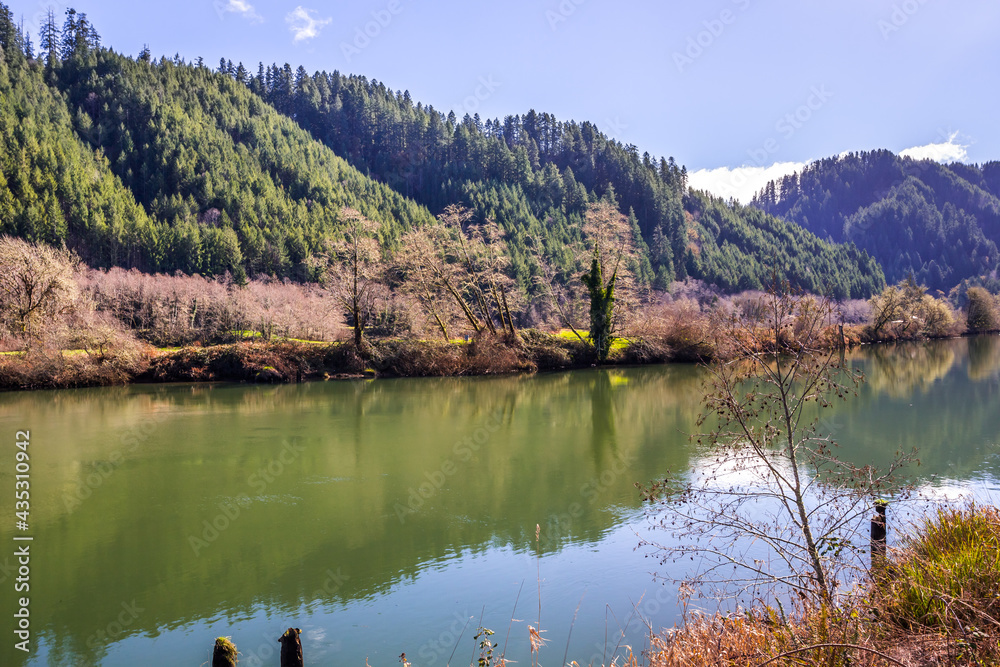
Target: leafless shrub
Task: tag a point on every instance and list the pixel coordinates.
(695, 290)
(679, 326)
(770, 477)
(489, 355)
(180, 309)
(404, 358)
(906, 311)
(752, 305)
(855, 311)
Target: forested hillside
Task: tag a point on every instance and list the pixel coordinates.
(164, 165)
(942, 223)
(534, 172)
(222, 181)
(54, 187)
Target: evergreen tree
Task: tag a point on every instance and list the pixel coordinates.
(49, 39)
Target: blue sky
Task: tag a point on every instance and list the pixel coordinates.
(736, 90)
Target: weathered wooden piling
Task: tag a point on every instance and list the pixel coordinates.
(224, 654)
(291, 648)
(878, 535)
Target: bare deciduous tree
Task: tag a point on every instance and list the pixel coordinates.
(467, 264)
(487, 263)
(426, 279)
(356, 272)
(772, 505)
(36, 284)
(560, 299)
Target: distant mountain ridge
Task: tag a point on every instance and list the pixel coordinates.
(939, 222)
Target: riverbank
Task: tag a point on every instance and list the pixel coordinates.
(286, 361)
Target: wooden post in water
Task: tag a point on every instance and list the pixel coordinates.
(878, 540)
(291, 648)
(224, 654)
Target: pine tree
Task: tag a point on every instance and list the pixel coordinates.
(29, 48)
(49, 39)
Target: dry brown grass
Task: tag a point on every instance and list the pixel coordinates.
(850, 638)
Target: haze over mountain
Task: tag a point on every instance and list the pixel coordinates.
(939, 222)
(742, 183)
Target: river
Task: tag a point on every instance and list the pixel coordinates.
(391, 516)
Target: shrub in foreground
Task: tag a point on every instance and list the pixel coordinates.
(946, 575)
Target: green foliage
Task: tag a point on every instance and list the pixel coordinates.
(486, 647)
(602, 305)
(535, 176)
(232, 181)
(54, 188)
(740, 248)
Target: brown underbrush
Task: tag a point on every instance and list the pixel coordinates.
(45, 367)
(257, 362)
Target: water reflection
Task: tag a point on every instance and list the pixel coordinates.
(377, 510)
(984, 357)
(900, 369)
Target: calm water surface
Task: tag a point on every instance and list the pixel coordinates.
(398, 515)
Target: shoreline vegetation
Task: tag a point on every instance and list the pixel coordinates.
(290, 361)
(932, 602)
(63, 324)
(283, 361)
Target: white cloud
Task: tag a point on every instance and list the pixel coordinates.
(303, 24)
(948, 151)
(742, 182)
(243, 8)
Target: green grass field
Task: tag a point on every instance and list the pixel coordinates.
(617, 344)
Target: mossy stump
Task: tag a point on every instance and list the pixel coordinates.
(291, 648)
(224, 654)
